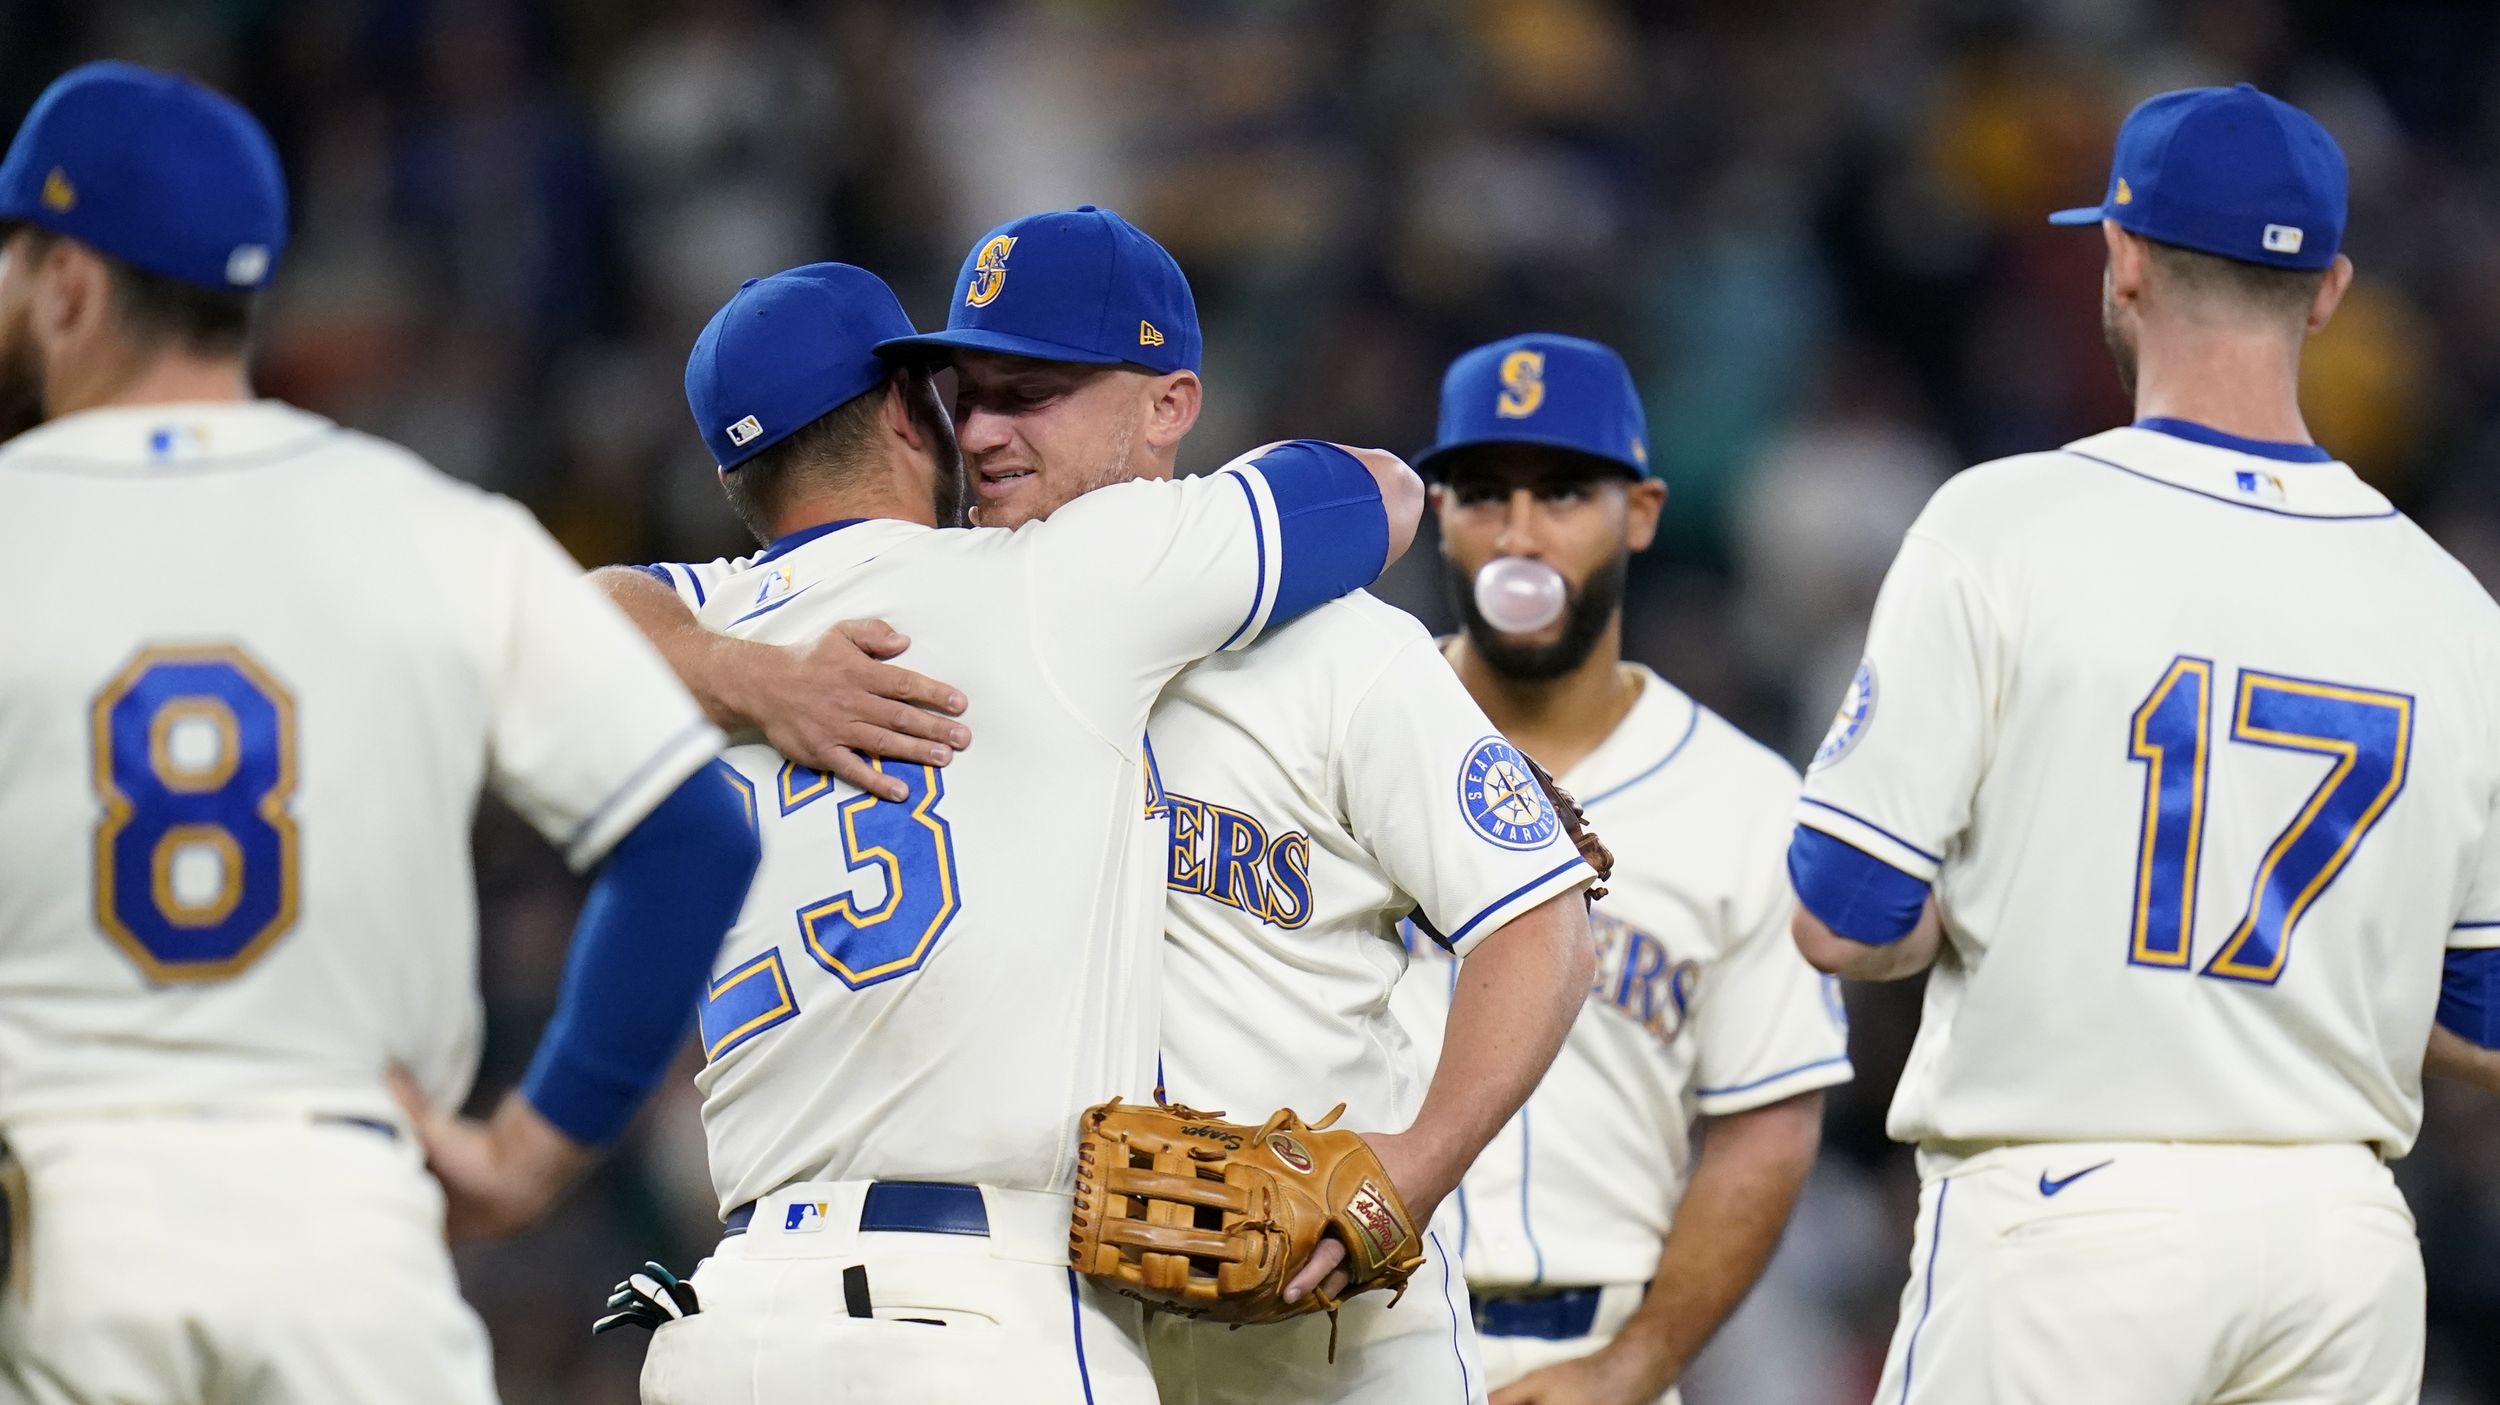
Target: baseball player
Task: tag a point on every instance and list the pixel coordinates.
(1601, 1252)
(923, 995)
(238, 761)
(2174, 752)
(1306, 793)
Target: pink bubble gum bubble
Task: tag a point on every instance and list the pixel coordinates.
(1520, 596)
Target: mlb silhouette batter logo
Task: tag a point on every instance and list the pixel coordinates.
(1502, 800)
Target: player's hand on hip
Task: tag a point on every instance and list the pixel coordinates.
(498, 1175)
(1423, 1182)
(1598, 1379)
(833, 702)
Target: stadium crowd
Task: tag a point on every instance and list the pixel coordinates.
(1813, 226)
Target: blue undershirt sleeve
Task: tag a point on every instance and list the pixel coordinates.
(1331, 527)
(641, 954)
(2469, 996)
(1856, 894)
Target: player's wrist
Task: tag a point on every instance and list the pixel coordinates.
(533, 1149)
(739, 678)
(1640, 1364)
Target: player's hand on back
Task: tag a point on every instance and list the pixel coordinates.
(1601, 1378)
(833, 701)
(498, 1175)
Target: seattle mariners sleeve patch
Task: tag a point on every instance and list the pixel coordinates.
(1501, 800)
(1857, 708)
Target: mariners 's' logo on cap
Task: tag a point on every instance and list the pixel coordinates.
(1502, 800)
(1523, 384)
(989, 271)
(59, 196)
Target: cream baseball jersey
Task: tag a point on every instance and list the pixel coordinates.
(240, 752)
(2197, 740)
(994, 942)
(1317, 788)
(1701, 1005)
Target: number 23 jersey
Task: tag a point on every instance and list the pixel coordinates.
(2198, 741)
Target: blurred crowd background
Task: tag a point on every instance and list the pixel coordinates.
(1813, 226)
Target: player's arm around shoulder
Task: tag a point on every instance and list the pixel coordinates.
(826, 702)
(1131, 583)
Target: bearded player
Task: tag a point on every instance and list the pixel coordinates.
(2174, 754)
(238, 766)
(1601, 1251)
(1313, 789)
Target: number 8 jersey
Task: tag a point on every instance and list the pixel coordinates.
(2198, 742)
(254, 671)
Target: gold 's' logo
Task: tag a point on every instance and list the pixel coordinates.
(1147, 335)
(989, 272)
(1523, 384)
(2124, 195)
(59, 196)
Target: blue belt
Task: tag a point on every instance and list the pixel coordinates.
(1561, 1315)
(893, 1207)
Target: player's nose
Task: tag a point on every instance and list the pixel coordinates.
(1520, 533)
(981, 431)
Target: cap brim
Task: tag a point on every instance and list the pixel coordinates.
(939, 344)
(2088, 214)
(1440, 455)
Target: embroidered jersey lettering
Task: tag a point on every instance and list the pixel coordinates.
(2200, 750)
(239, 757)
(1312, 785)
(995, 940)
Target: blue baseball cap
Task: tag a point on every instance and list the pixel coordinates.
(2228, 171)
(1545, 389)
(784, 350)
(1079, 285)
(152, 169)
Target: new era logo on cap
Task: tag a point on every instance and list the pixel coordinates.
(2207, 168)
(1147, 335)
(745, 432)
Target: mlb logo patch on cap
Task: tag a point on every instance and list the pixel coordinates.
(745, 432)
(2282, 239)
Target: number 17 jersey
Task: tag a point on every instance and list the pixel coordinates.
(2198, 741)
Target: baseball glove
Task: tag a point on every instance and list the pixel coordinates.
(1210, 1219)
(1575, 822)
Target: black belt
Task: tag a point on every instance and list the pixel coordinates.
(891, 1207)
(1560, 1315)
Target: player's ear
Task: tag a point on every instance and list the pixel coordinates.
(1644, 501)
(72, 295)
(2330, 295)
(2128, 261)
(896, 409)
(1172, 408)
